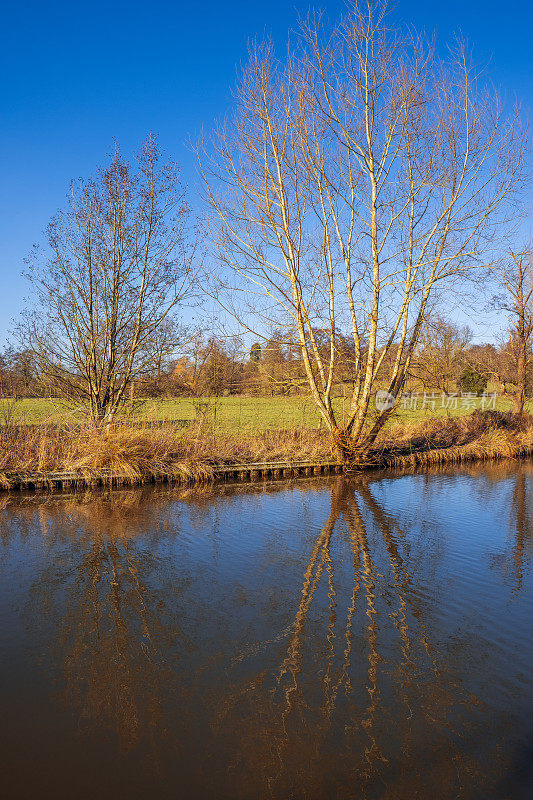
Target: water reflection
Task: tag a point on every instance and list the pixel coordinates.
(277, 642)
(113, 641)
(111, 638)
(366, 702)
(521, 511)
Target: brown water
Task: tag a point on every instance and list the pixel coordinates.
(322, 639)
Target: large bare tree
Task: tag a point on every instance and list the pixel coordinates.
(357, 179)
(106, 289)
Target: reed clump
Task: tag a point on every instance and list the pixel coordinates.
(479, 436)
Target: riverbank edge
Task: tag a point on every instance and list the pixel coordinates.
(205, 473)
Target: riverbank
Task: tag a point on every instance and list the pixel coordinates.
(53, 456)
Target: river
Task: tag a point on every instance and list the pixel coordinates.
(319, 639)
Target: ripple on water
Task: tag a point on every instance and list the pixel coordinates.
(284, 641)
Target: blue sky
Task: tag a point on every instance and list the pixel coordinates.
(75, 76)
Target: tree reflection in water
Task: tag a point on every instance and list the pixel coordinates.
(373, 707)
(357, 697)
(521, 524)
(114, 638)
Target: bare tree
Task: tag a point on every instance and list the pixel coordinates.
(357, 179)
(517, 303)
(106, 290)
(440, 353)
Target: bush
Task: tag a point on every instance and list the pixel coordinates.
(472, 381)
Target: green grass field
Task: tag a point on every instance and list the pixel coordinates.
(247, 414)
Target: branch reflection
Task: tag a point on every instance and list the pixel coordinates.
(353, 691)
(369, 702)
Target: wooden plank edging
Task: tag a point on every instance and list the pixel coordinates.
(217, 473)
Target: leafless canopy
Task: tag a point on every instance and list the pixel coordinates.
(516, 300)
(357, 178)
(107, 287)
(441, 353)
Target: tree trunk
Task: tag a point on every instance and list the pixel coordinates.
(520, 395)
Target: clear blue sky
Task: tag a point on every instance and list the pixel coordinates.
(77, 75)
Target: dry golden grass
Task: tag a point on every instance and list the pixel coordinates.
(477, 437)
(137, 454)
(129, 455)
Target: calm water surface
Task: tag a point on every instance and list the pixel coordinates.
(329, 639)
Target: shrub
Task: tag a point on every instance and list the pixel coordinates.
(472, 381)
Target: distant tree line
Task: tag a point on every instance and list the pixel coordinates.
(445, 361)
(18, 376)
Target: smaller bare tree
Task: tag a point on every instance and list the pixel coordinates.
(440, 353)
(106, 291)
(516, 300)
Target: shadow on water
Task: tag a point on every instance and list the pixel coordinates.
(321, 640)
